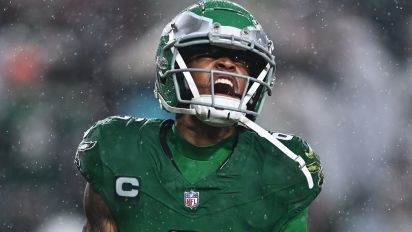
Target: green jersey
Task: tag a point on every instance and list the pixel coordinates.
(257, 188)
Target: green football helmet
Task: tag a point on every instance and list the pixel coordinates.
(215, 28)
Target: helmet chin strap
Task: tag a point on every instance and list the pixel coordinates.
(265, 134)
(214, 116)
(221, 117)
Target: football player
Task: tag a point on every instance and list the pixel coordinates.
(212, 168)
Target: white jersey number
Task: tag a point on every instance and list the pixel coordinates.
(282, 136)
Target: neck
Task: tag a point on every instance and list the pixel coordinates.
(199, 133)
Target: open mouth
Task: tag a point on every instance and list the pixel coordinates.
(225, 86)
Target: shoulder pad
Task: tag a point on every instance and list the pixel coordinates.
(301, 148)
(114, 121)
(88, 156)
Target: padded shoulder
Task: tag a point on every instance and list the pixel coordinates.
(90, 155)
(114, 122)
(286, 176)
(301, 148)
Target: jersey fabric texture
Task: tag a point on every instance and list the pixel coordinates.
(257, 188)
(197, 162)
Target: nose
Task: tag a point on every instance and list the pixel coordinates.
(225, 64)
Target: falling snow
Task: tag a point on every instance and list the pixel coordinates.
(344, 84)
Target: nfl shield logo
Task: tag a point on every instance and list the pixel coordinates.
(191, 199)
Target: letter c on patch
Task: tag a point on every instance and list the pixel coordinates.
(127, 186)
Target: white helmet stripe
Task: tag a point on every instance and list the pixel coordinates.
(255, 85)
(187, 75)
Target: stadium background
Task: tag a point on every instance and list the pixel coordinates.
(344, 84)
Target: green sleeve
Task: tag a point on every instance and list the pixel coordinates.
(297, 224)
(95, 154)
(88, 157)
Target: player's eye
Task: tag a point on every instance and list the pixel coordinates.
(200, 56)
(241, 62)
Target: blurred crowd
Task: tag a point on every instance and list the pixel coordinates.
(344, 80)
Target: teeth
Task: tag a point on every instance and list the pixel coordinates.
(224, 81)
